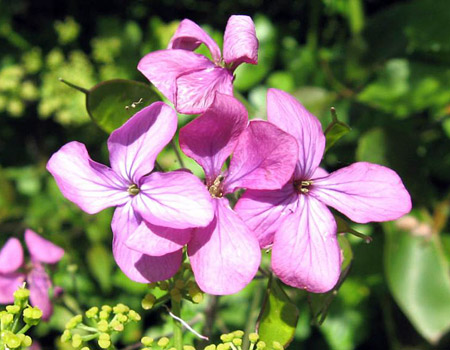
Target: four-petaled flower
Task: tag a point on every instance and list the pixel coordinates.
(152, 201)
(38, 282)
(190, 80)
(296, 220)
(225, 255)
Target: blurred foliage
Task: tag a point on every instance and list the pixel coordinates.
(383, 65)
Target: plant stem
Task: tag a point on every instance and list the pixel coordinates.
(253, 312)
(177, 333)
(177, 153)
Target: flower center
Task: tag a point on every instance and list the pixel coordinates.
(216, 188)
(301, 186)
(133, 189)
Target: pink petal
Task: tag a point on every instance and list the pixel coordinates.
(90, 185)
(41, 249)
(225, 256)
(288, 114)
(305, 251)
(163, 68)
(240, 43)
(364, 192)
(264, 158)
(264, 211)
(189, 36)
(39, 285)
(139, 267)
(9, 283)
(212, 137)
(11, 256)
(196, 89)
(157, 240)
(176, 199)
(319, 172)
(134, 146)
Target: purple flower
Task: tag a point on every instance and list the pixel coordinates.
(305, 251)
(225, 255)
(11, 278)
(149, 201)
(190, 80)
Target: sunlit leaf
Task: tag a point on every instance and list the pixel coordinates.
(335, 130)
(417, 275)
(279, 316)
(101, 264)
(372, 147)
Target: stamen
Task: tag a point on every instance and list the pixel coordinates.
(302, 186)
(216, 189)
(133, 189)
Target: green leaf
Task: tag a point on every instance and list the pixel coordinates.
(101, 265)
(111, 103)
(335, 130)
(107, 102)
(279, 316)
(417, 276)
(372, 147)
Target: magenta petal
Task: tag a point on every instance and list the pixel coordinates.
(364, 192)
(288, 114)
(39, 285)
(189, 36)
(211, 138)
(264, 158)
(305, 251)
(134, 146)
(176, 199)
(41, 249)
(90, 185)
(11, 256)
(9, 283)
(139, 267)
(240, 43)
(264, 211)
(196, 90)
(163, 68)
(319, 172)
(225, 256)
(157, 240)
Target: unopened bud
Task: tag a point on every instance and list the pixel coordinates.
(253, 337)
(188, 347)
(120, 309)
(148, 301)
(11, 340)
(175, 294)
(102, 326)
(76, 340)
(104, 340)
(179, 284)
(73, 322)
(163, 285)
(210, 347)
(147, 341)
(134, 316)
(32, 315)
(92, 312)
(66, 336)
(163, 342)
(227, 337)
(277, 346)
(237, 341)
(13, 309)
(261, 345)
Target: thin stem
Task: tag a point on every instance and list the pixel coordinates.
(24, 329)
(87, 328)
(177, 153)
(73, 86)
(177, 332)
(253, 313)
(158, 166)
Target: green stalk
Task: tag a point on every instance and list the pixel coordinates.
(177, 333)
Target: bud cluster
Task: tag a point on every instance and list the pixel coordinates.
(181, 286)
(99, 324)
(16, 320)
(229, 341)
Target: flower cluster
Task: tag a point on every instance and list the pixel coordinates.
(284, 206)
(16, 320)
(13, 272)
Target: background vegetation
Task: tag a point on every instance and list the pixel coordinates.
(384, 66)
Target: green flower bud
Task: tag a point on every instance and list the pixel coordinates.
(152, 285)
(11, 340)
(238, 334)
(226, 337)
(148, 301)
(117, 326)
(163, 342)
(188, 347)
(261, 345)
(104, 340)
(102, 326)
(277, 346)
(134, 316)
(237, 341)
(210, 347)
(120, 309)
(196, 294)
(186, 266)
(13, 309)
(221, 347)
(21, 295)
(66, 336)
(27, 341)
(106, 308)
(163, 285)
(85, 348)
(32, 315)
(73, 322)
(76, 340)
(122, 318)
(253, 337)
(179, 283)
(175, 294)
(104, 315)
(6, 319)
(92, 312)
(147, 341)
